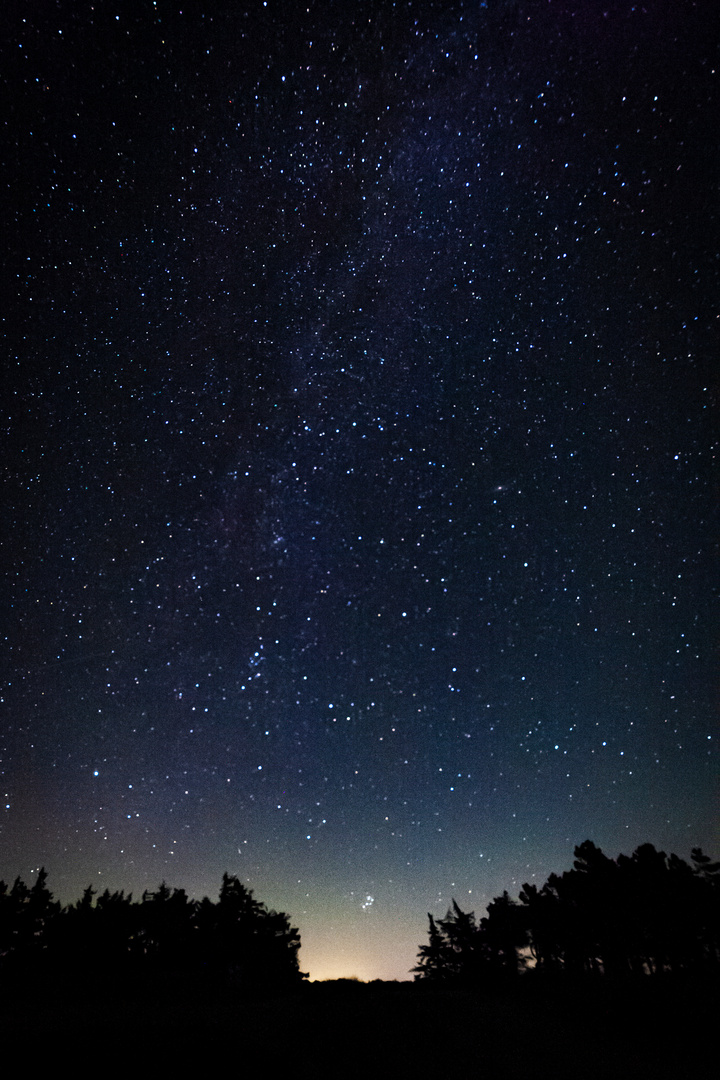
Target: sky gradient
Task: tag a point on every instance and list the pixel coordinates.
(359, 505)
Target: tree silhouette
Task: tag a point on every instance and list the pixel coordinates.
(434, 958)
(505, 933)
(455, 949)
(251, 945)
(27, 917)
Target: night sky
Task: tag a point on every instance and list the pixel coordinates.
(358, 508)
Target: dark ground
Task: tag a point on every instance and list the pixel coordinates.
(387, 1029)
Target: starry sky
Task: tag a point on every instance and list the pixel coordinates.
(358, 515)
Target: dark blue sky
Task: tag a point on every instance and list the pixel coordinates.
(359, 443)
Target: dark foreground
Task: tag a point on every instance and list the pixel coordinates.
(642, 1029)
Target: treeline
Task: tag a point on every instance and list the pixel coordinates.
(643, 914)
(236, 940)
